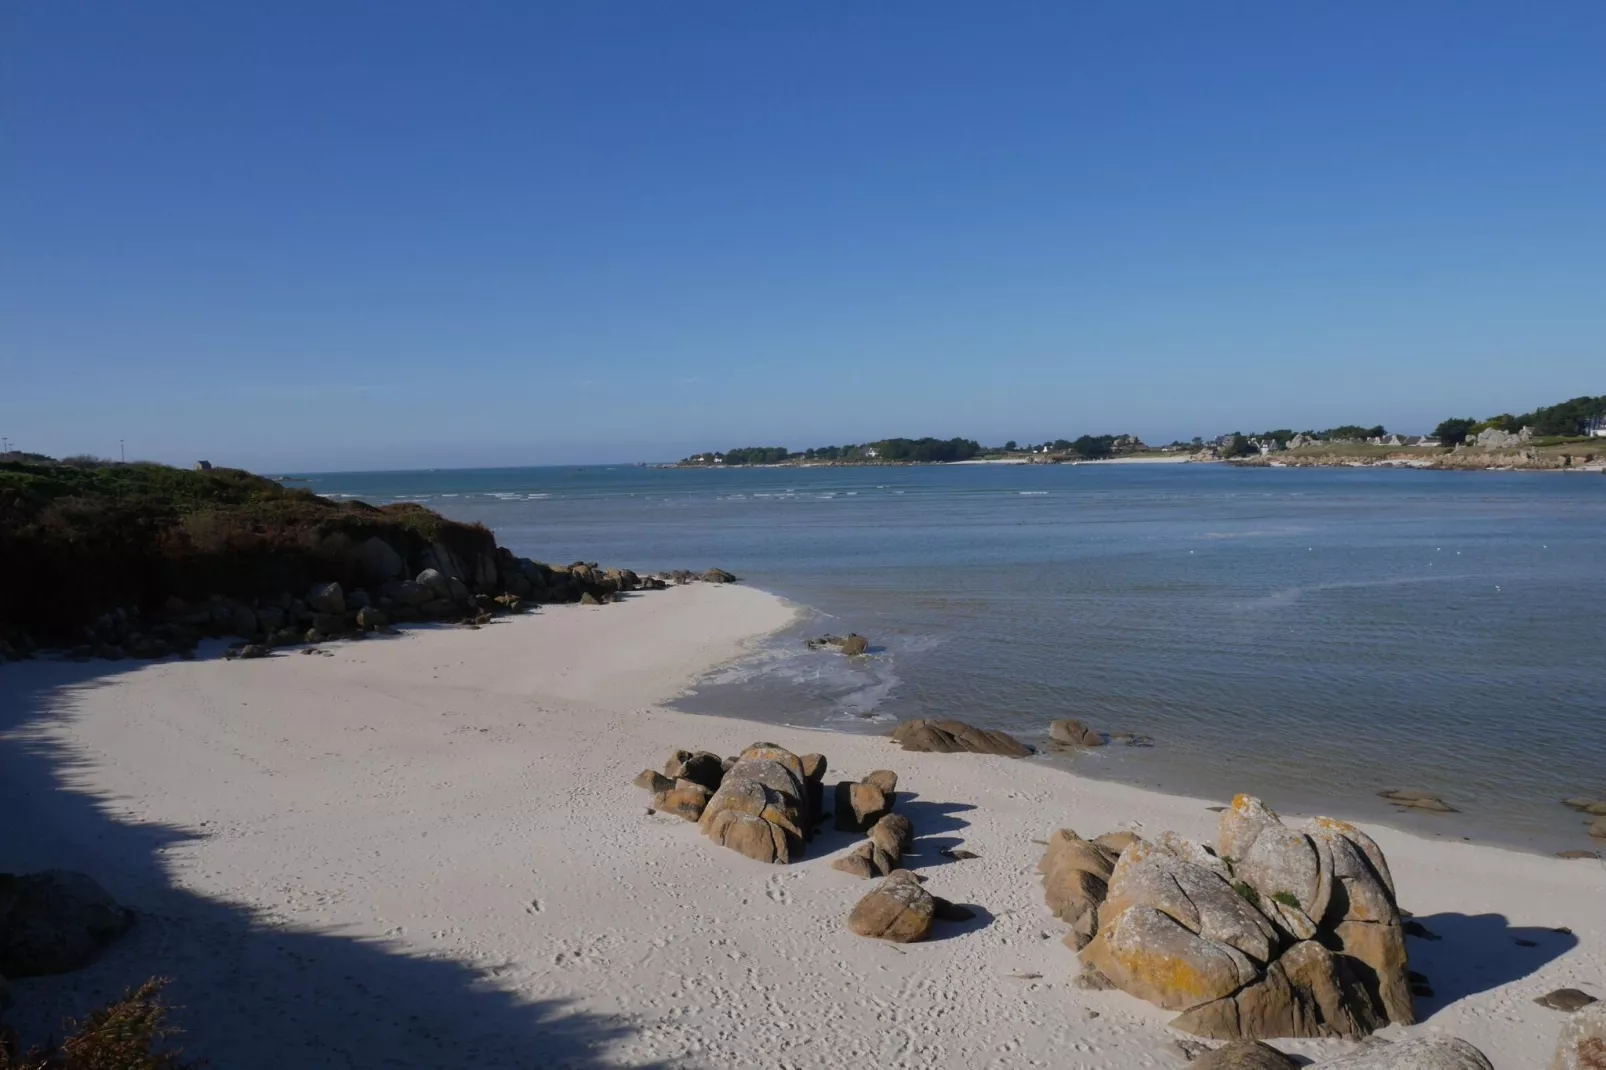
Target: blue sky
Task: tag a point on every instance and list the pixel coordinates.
(336, 235)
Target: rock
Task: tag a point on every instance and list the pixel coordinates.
(1076, 875)
(860, 862)
(1244, 1055)
(858, 806)
(1586, 805)
(255, 650)
(1149, 954)
(1576, 854)
(897, 909)
(370, 619)
(885, 779)
(1117, 841)
(855, 645)
(718, 575)
(1195, 897)
(1073, 733)
(1566, 999)
(1597, 828)
(1425, 1053)
(377, 562)
(814, 783)
(1283, 862)
(1240, 824)
(946, 911)
(653, 781)
(330, 623)
(952, 737)
(243, 622)
(684, 798)
(750, 835)
(270, 619)
(892, 833)
(589, 599)
(436, 583)
(700, 767)
(1419, 800)
(357, 599)
(1582, 1045)
(326, 598)
(1307, 992)
(407, 593)
(54, 922)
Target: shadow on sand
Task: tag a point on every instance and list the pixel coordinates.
(253, 995)
(1471, 953)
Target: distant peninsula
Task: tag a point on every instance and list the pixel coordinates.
(1571, 434)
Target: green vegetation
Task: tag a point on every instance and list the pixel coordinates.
(1453, 432)
(914, 450)
(1237, 446)
(79, 539)
(1569, 419)
(1248, 893)
(758, 455)
(1094, 447)
(1287, 899)
(130, 1034)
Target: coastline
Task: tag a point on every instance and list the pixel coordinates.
(427, 847)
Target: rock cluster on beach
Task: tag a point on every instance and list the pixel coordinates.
(1277, 932)
(762, 803)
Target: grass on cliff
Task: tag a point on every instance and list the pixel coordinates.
(80, 538)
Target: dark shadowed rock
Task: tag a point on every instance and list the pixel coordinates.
(701, 767)
(953, 737)
(858, 805)
(855, 645)
(326, 598)
(653, 781)
(718, 575)
(54, 922)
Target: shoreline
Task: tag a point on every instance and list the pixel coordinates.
(428, 848)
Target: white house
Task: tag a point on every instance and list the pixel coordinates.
(1596, 428)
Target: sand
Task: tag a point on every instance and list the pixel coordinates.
(425, 851)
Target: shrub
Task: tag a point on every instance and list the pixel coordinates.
(131, 1034)
(1287, 899)
(1248, 893)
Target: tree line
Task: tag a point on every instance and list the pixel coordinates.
(1565, 420)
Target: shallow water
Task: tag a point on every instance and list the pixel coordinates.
(1312, 635)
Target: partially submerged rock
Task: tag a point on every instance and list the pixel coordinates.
(1069, 732)
(1415, 799)
(1585, 804)
(897, 909)
(851, 645)
(55, 922)
(953, 737)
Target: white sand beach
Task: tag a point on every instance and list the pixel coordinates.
(426, 851)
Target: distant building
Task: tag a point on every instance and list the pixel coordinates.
(1596, 428)
(872, 453)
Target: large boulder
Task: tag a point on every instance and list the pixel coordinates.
(54, 922)
(1282, 932)
(683, 798)
(1422, 1053)
(437, 583)
(897, 909)
(378, 562)
(954, 737)
(1076, 874)
(766, 783)
(1582, 1045)
(1149, 954)
(326, 598)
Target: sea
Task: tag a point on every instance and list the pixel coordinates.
(1310, 635)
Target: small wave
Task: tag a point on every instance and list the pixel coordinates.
(1032, 493)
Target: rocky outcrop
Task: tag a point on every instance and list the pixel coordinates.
(897, 909)
(954, 737)
(859, 805)
(1582, 1045)
(882, 853)
(54, 922)
(760, 807)
(1278, 932)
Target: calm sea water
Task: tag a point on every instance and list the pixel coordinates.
(1311, 635)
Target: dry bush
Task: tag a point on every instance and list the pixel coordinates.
(130, 1034)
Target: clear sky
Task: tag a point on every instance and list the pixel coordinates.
(297, 235)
